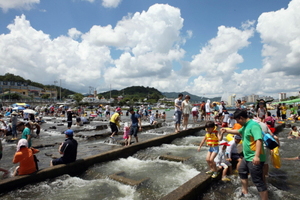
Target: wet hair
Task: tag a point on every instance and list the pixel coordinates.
(210, 124)
(180, 95)
(240, 113)
(269, 113)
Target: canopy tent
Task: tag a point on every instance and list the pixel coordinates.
(18, 108)
(21, 104)
(288, 101)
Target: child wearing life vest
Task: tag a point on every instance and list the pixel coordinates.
(212, 138)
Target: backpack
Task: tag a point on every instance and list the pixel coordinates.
(35, 161)
(269, 141)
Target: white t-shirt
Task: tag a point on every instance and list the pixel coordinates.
(178, 103)
(194, 108)
(226, 116)
(232, 148)
(207, 107)
(231, 122)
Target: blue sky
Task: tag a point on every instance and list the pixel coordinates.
(207, 47)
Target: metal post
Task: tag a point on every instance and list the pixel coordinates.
(59, 89)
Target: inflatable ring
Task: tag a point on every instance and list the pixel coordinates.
(230, 137)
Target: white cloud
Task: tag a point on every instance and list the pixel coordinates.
(17, 4)
(280, 34)
(111, 3)
(32, 54)
(146, 45)
(74, 33)
(148, 42)
(214, 66)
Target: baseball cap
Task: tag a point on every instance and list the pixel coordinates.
(223, 142)
(238, 137)
(69, 132)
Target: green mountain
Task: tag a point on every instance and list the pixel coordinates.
(194, 98)
(134, 93)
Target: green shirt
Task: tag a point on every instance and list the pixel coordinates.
(251, 132)
(293, 110)
(26, 132)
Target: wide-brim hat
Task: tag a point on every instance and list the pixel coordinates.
(14, 113)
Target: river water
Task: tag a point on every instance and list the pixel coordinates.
(164, 176)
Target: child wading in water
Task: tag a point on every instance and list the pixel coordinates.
(126, 134)
(212, 138)
(222, 161)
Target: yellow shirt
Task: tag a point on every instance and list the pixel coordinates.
(115, 118)
(283, 110)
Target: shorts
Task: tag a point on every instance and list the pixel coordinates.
(214, 149)
(195, 113)
(256, 172)
(283, 116)
(224, 165)
(235, 156)
(57, 161)
(178, 117)
(69, 124)
(134, 130)
(208, 113)
(113, 127)
(107, 113)
(278, 114)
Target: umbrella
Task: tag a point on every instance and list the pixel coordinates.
(18, 108)
(29, 111)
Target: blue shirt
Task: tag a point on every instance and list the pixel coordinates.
(134, 119)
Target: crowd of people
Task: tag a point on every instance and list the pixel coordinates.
(245, 125)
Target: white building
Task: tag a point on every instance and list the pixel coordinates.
(282, 96)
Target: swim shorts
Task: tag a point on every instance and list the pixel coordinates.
(134, 130)
(256, 172)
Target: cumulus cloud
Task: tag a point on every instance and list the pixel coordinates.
(142, 49)
(111, 3)
(17, 4)
(148, 42)
(32, 54)
(280, 35)
(214, 66)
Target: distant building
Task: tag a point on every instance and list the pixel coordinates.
(252, 98)
(26, 90)
(231, 100)
(282, 96)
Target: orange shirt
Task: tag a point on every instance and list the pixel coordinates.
(26, 160)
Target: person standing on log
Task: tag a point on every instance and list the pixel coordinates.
(135, 126)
